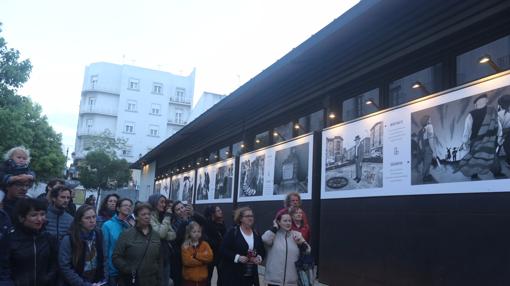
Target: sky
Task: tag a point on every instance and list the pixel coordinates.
(227, 41)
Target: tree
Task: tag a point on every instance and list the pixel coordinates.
(21, 120)
(102, 171)
(107, 143)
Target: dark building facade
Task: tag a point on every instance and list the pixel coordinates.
(377, 58)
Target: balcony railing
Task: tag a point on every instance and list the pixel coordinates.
(180, 100)
(89, 132)
(177, 122)
(98, 110)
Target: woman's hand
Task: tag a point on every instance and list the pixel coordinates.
(256, 260)
(243, 259)
(298, 238)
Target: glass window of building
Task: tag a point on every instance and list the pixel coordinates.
(213, 157)
(129, 127)
(357, 106)
(155, 108)
(238, 148)
(310, 123)
(93, 81)
(416, 85)
(224, 153)
(282, 133)
(153, 130)
(134, 84)
(157, 88)
(131, 105)
(261, 140)
(497, 58)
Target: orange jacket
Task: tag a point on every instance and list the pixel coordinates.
(195, 260)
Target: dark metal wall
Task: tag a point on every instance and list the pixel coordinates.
(460, 239)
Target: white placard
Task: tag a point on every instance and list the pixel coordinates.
(271, 173)
(443, 144)
(215, 183)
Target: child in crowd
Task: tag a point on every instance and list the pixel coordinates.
(196, 255)
(15, 167)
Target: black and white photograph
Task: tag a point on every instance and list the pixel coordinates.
(187, 188)
(251, 181)
(291, 170)
(174, 188)
(203, 182)
(224, 182)
(354, 158)
(463, 140)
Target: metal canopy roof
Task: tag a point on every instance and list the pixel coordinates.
(366, 42)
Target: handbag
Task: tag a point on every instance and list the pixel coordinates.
(304, 267)
(134, 280)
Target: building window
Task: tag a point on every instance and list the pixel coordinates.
(90, 123)
(157, 88)
(91, 101)
(469, 67)
(153, 130)
(238, 148)
(93, 81)
(261, 140)
(178, 116)
(131, 105)
(134, 84)
(357, 106)
(155, 109)
(129, 127)
(179, 94)
(416, 85)
(310, 123)
(127, 151)
(282, 133)
(225, 153)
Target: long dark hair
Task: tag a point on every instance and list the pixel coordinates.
(74, 233)
(103, 209)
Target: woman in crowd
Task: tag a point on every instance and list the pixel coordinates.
(91, 201)
(214, 230)
(107, 209)
(196, 255)
(299, 223)
(182, 215)
(111, 232)
(32, 251)
(137, 253)
(81, 257)
(161, 223)
(242, 251)
(283, 249)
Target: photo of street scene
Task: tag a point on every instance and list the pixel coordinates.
(462, 140)
(354, 158)
(251, 181)
(291, 170)
(224, 182)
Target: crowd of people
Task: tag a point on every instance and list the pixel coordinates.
(44, 241)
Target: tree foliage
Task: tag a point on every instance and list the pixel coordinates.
(107, 143)
(21, 120)
(100, 170)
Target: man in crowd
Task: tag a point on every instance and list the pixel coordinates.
(13, 192)
(58, 219)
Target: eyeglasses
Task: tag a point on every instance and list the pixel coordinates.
(247, 215)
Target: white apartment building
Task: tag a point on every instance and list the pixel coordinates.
(141, 105)
(206, 101)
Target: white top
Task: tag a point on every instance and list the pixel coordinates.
(249, 240)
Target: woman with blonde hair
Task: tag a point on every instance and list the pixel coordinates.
(242, 251)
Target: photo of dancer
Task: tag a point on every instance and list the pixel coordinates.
(203, 184)
(251, 181)
(462, 140)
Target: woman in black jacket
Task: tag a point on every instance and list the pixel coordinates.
(32, 251)
(214, 231)
(242, 251)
